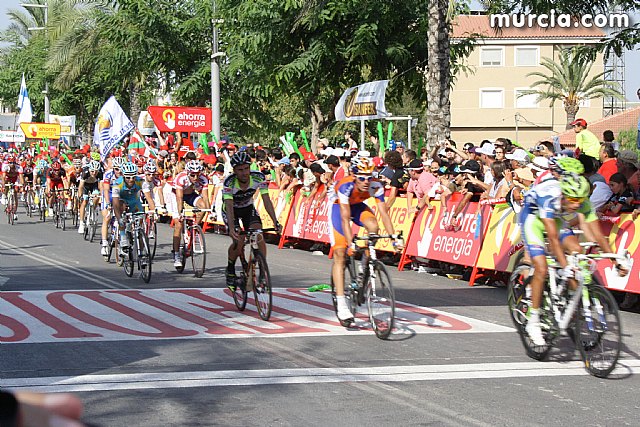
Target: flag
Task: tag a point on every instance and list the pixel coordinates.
(112, 125)
(24, 104)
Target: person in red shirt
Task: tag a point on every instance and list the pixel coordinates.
(608, 159)
(183, 144)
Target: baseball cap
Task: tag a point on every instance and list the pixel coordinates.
(231, 147)
(471, 166)
(539, 164)
(284, 161)
(489, 149)
(468, 145)
(579, 122)
(519, 155)
(629, 156)
(525, 173)
(415, 165)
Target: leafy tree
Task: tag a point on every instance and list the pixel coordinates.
(568, 81)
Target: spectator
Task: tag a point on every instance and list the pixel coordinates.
(408, 156)
(465, 149)
(294, 158)
(399, 147)
(628, 166)
(500, 154)
(398, 178)
(500, 186)
(609, 138)
(600, 195)
(471, 185)
(349, 141)
(420, 184)
(487, 157)
(318, 187)
(608, 158)
(586, 141)
(519, 158)
(334, 165)
(621, 200)
(590, 169)
(544, 149)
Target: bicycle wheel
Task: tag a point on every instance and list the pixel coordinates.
(598, 331)
(93, 222)
(240, 294)
(350, 290)
(9, 208)
(111, 241)
(381, 301)
(519, 304)
(28, 203)
(127, 258)
(262, 292)
(62, 213)
(144, 257)
(152, 233)
(198, 251)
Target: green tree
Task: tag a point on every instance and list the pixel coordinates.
(568, 80)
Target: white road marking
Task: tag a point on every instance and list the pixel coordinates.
(95, 278)
(164, 380)
(125, 315)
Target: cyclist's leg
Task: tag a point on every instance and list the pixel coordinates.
(234, 249)
(255, 223)
(533, 238)
(339, 245)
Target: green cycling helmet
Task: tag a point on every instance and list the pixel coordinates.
(574, 185)
(569, 165)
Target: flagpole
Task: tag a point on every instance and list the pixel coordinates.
(44, 6)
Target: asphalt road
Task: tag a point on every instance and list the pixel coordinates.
(175, 352)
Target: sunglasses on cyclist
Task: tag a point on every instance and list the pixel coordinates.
(116, 169)
(129, 177)
(364, 178)
(575, 199)
(193, 175)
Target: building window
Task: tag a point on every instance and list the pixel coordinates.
(492, 98)
(527, 56)
(586, 103)
(491, 57)
(525, 101)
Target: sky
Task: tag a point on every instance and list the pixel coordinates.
(632, 58)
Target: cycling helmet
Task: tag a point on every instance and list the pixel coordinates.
(566, 165)
(77, 163)
(11, 158)
(42, 164)
(574, 185)
(241, 158)
(194, 166)
(129, 169)
(362, 165)
(150, 167)
(95, 156)
(140, 161)
(118, 162)
(56, 165)
(94, 166)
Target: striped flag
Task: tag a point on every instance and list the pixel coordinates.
(24, 103)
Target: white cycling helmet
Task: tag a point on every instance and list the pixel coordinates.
(193, 166)
(94, 165)
(129, 169)
(118, 162)
(150, 167)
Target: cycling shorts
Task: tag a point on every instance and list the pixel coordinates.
(359, 212)
(53, 185)
(88, 189)
(533, 231)
(248, 215)
(133, 205)
(191, 199)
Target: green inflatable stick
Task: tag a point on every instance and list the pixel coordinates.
(381, 136)
(389, 132)
(203, 143)
(303, 134)
(66, 159)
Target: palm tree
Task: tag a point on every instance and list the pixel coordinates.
(568, 80)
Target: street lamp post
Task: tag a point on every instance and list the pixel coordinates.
(44, 6)
(215, 78)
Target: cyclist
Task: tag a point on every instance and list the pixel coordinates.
(352, 191)
(11, 174)
(237, 195)
(56, 180)
(126, 197)
(113, 171)
(191, 187)
(550, 207)
(88, 187)
(150, 170)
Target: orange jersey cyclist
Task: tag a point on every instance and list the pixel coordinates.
(350, 195)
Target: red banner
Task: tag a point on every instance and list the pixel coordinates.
(181, 119)
(309, 219)
(432, 239)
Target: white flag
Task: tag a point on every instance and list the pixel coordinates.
(364, 102)
(112, 125)
(24, 104)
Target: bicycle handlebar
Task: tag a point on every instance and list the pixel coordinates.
(374, 236)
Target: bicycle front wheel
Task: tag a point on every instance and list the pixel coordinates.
(598, 331)
(198, 251)
(29, 203)
(152, 233)
(262, 292)
(10, 209)
(62, 214)
(93, 222)
(127, 258)
(144, 257)
(381, 301)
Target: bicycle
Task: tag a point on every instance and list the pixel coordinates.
(192, 243)
(589, 314)
(91, 216)
(12, 205)
(254, 276)
(43, 207)
(59, 209)
(113, 236)
(369, 282)
(29, 204)
(138, 250)
(75, 204)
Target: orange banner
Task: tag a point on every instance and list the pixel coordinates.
(41, 130)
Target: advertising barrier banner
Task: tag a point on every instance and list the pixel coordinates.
(624, 235)
(280, 205)
(501, 242)
(309, 219)
(181, 119)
